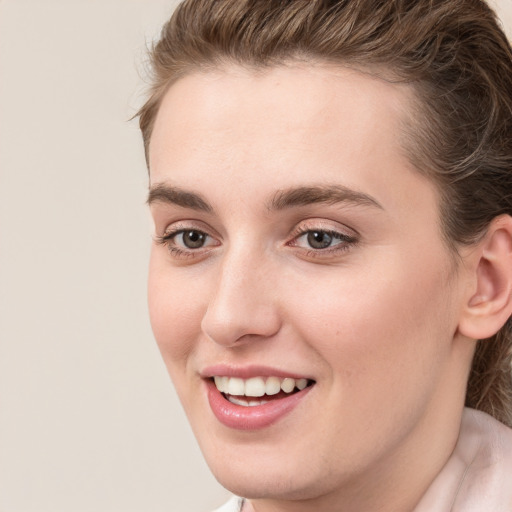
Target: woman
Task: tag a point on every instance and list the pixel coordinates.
(330, 284)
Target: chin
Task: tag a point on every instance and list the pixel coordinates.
(253, 484)
(267, 473)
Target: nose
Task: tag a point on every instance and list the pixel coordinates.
(243, 303)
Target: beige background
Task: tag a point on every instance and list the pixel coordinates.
(88, 418)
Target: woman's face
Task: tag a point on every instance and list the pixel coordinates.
(296, 246)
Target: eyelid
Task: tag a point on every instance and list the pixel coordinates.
(346, 237)
(323, 225)
(188, 224)
(171, 236)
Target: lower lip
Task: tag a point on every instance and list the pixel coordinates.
(255, 417)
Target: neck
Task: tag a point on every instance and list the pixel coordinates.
(395, 484)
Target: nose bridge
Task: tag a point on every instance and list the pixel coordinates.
(242, 304)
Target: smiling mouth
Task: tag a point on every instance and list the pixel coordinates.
(258, 391)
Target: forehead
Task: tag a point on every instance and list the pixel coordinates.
(291, 102)
(280, 125)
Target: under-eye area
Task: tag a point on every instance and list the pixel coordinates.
(259, 390)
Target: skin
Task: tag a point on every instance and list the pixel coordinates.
(374, 321)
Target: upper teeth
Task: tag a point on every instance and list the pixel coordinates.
(258, 386)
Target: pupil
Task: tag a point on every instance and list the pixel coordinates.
(319, 239)
(193, 239)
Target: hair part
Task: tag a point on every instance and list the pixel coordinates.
(459, 132)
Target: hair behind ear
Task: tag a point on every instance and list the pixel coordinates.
(490, 381)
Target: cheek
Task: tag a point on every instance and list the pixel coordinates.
(381, 330)
(175, 310)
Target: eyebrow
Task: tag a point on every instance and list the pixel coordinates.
(283, 199)
(163, 193)
(323, 194)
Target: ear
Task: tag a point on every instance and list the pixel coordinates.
(488, 305)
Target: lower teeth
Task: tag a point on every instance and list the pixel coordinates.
(246, 403)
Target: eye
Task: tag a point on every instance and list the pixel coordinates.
(186, 242)
(191, 239)
(319, 239)
(314, 242)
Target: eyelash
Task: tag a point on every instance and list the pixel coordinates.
(346, 242)
(167, 240)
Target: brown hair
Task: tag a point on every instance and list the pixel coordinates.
(460, 134)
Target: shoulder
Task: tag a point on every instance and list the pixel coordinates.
(488, 458)
(233, 505)
(485, 443)
(478, 475)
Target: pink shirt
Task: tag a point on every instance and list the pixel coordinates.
(478, 475)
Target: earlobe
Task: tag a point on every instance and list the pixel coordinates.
(489, 304)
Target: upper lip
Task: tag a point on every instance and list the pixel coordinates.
(248, 371)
